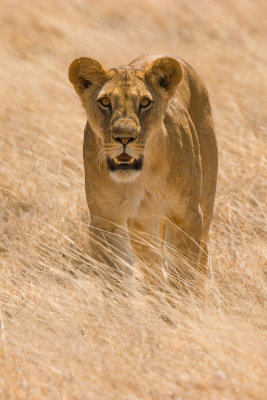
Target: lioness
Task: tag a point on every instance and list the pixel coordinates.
(150, 156)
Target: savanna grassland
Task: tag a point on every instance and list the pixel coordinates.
(60, 338)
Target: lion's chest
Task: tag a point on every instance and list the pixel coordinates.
(159, 197)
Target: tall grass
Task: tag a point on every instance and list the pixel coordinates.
(65, 331)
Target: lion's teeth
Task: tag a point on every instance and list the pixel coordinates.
(117, 161)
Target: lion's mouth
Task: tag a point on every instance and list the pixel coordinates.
(124, 161)
(123, 158)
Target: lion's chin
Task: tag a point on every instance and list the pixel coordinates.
(124, 176)
(124, 168)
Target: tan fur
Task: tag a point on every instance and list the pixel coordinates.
(171, 196)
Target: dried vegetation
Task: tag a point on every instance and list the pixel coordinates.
(60, 338)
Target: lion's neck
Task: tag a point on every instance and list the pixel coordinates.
(156, 155)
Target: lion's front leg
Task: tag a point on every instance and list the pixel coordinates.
(148, 246)
(110, 245)
(183, 238)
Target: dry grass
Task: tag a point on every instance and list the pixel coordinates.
(60, 338)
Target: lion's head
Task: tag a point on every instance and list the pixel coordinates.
(125, 107)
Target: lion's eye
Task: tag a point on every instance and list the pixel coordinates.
(145, 102)
(104, 102)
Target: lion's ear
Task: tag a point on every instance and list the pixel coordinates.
(84, 72)
(164, 75)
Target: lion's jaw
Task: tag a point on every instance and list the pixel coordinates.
(124, 162)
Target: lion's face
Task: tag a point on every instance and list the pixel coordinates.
(125, 108)
(124, 113)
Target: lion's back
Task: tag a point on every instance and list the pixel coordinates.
(194, 96)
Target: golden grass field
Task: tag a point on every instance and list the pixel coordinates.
(59, 337)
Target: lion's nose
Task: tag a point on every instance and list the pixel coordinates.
(123, 140)
(124, 131)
